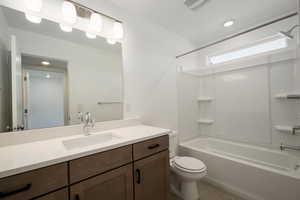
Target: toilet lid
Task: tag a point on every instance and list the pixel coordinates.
(189, 164)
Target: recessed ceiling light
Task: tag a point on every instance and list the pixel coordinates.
(48, 76)
(45, 63)
(228, 23)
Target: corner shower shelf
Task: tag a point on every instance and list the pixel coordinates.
(205, 121)
(205, 99)
(288, 96)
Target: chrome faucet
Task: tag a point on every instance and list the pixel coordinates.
(284, 147)
(87, 121)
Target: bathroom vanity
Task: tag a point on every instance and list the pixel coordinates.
(137, 170)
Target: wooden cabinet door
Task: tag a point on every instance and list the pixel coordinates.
(151, 177)
(34, 183)
(114, 185)
(59, 195)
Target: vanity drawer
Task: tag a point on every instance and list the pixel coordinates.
(59, 195)
(149, 147)
(34, 183)
(86, 167)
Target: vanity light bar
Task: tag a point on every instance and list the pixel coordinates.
(92, 10)
(253, 50)
(70, 11)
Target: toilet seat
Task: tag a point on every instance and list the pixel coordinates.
(189, 164)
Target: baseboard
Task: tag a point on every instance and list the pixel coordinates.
(231, 189)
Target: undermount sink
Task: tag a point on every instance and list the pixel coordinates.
(89, 140)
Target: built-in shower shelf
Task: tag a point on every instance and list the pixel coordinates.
(205, 99)
(286, 129)
(205, 121)
(288, 96)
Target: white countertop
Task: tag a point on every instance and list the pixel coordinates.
(15, 159)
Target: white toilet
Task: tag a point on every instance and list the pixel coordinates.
(186, 171)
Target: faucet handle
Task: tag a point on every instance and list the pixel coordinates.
(80, 116)
(87, 117)
(93, 123)
(295, 129)
(281, 146)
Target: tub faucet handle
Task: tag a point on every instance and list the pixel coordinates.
(295, 129)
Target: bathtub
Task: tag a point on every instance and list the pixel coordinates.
(254, 173)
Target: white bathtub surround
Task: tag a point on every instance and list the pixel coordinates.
(244, 106)
(47, 150)
(252, 172)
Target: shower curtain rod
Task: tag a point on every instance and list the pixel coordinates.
(237, 34)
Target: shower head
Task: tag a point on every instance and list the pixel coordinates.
(288, 34)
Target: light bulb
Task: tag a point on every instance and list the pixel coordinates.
(33, 18)
(65, 28)
(46, 63)
(33, 8)
(118, 30)
(90, 35)
(111, 41)
(69, 12)
(96, 22)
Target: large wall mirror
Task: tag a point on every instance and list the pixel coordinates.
(48, 76)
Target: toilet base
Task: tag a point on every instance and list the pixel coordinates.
(189, 190)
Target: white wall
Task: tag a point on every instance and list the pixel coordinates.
(5, 116)
(94, 74)
(244, 107)
(149, 67)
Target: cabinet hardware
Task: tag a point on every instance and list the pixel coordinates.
(138, 173)
(9, 193)
(153, 146)
(77, 197)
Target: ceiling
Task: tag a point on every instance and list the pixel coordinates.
(206, 23)
(30, 60)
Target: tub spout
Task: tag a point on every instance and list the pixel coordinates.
(284, 147)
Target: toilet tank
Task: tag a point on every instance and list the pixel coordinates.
(173, 143)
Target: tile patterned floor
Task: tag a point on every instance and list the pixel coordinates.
(210, 192)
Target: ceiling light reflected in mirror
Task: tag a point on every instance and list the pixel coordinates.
(46, 63)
